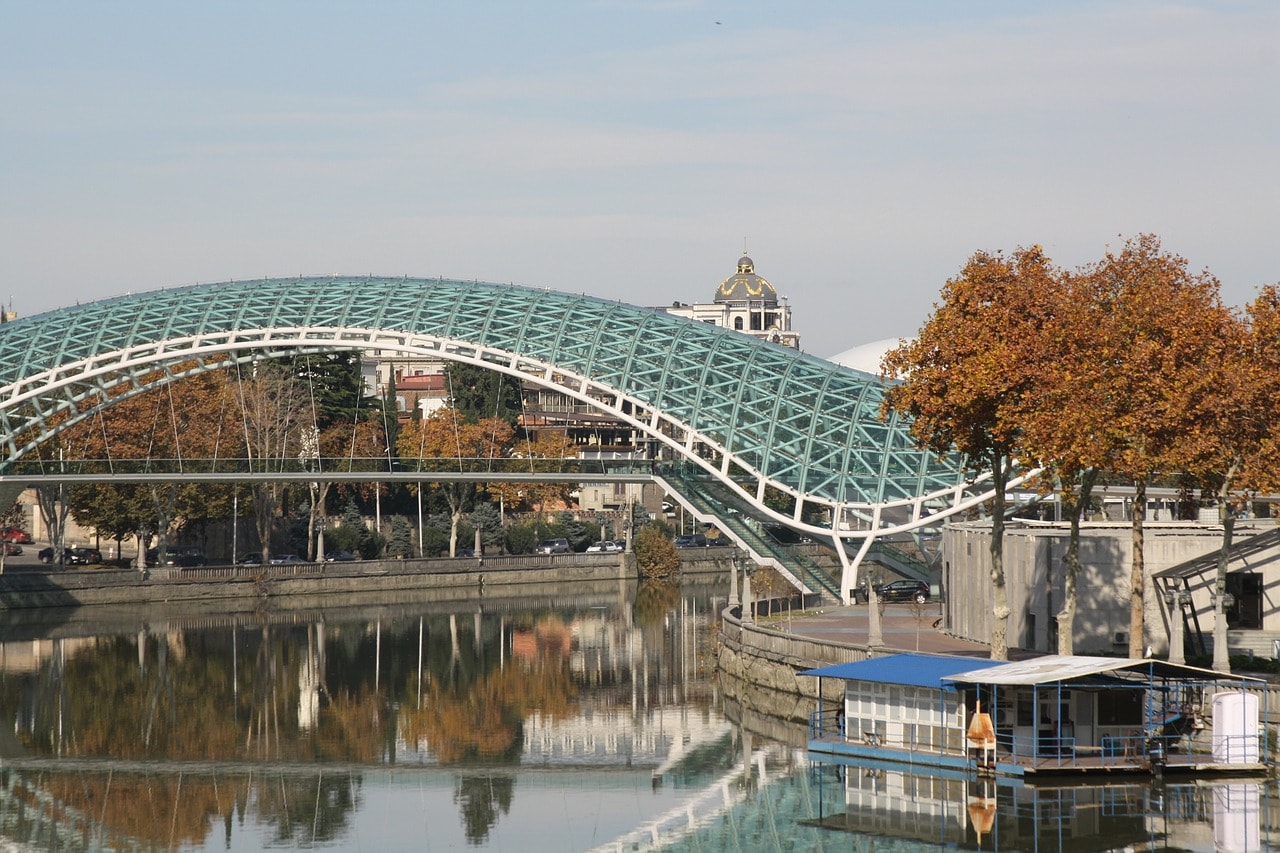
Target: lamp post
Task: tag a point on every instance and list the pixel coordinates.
(875, 631)
(733, 581)
(1176, 601)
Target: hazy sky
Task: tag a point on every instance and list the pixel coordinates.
(627, 148)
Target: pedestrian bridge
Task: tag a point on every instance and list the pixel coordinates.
(790, 438)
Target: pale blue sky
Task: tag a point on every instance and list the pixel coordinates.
(626, 148)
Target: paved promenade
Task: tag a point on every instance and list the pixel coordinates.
(901, 629)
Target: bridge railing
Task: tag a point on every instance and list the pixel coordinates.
(321, 466)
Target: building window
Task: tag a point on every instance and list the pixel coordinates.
(737, 324)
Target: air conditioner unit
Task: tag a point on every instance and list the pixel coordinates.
(1121, 638)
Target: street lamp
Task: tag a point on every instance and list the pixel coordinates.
(1178, 599)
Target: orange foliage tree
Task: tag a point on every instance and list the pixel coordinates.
(186, 423)
(1163, 333)
(960, 380)
(1231, 445)
(443, 441)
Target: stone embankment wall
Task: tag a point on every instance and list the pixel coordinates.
(758, 666)
(98, 586)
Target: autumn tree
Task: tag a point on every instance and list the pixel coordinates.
(1161, 327)
(656, 554)
(444, 441)
(547, 452)
(1232, 442)
(181, 425)
(272, 405)
(960, 383)
(1067, 427)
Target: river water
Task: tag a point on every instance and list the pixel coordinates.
(558, 719)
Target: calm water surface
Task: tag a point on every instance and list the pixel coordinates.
(566, 720)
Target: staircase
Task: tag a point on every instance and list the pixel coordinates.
(711, 501)
(895, 559)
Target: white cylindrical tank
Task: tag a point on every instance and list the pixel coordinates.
(1235, 728)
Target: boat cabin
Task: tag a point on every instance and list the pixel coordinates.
(1046, 714)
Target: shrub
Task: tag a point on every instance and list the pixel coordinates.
(656, 554)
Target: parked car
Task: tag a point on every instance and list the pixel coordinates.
(691, 540)
(555, 546)
(340, 557)
(71, 556)
(250, 559)
(185, 556)
(606, 545)
(904, 590)
(12, 549)
(15, 534)
(280, 559)
(464, 552)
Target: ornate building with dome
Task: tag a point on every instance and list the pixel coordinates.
(747, 303)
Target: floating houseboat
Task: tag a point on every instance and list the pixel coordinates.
(889, 806)
(1051, 714)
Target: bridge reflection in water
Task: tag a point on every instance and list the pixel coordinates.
(538, 721)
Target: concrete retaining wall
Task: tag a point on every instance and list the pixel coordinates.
(758, 668)
(88, 586)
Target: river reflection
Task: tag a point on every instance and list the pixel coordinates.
(580, 720)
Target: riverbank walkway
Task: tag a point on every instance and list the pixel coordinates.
(903, 628)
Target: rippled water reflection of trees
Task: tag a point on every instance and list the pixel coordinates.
(275, 725)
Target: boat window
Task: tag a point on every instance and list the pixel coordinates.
(1120, 708)
(1026, 710)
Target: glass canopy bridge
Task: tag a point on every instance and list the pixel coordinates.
(796, 439)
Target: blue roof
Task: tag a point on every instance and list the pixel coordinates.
(912, 670)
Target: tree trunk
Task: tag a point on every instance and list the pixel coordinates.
(1138, 573)
(264, 511)
(53, 512)
(163, 503)
(1071, 565)
(1221, 655)
(319, 494)
(999, 593)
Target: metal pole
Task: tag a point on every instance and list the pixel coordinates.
(235, 520)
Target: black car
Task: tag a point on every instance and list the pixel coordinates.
(183, 556)
(691, 540)
(340, 557)
(904, 590)
(71, 556)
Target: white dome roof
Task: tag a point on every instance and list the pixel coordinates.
(866, 357)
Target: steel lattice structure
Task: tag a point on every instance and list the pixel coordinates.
(750, 414)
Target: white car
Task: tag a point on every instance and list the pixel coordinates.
(605, 545)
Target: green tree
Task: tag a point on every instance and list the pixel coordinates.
(485, 518)
(400, 540)
(480, 393)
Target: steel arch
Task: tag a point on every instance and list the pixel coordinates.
(748, 413)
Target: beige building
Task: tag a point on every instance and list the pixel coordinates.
(747, 303)
(1180, 558)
